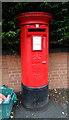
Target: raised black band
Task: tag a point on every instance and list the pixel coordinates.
(34, 98)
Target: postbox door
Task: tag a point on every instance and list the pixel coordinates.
(39, 61)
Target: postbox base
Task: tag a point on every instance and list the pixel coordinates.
(34, 98)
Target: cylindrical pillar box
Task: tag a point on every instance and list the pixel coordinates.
(34, 39)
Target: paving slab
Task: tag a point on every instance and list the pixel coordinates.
(52, 110)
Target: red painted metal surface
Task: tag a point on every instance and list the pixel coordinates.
(34, 61)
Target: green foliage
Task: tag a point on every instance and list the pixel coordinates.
(59, 36)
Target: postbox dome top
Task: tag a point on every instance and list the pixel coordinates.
(34, 17)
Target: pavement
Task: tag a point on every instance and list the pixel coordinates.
(52, 110)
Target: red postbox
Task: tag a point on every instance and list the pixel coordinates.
(34, 40)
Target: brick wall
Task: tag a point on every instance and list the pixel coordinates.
(10, 74)
(58, 64)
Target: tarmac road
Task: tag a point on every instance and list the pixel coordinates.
(52, 110)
